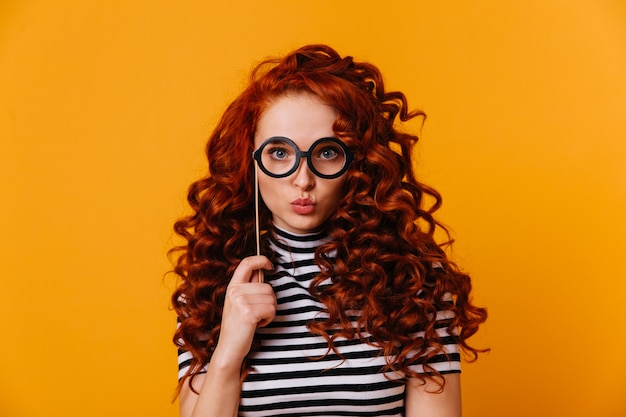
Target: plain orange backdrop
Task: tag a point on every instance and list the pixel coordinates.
(104, 110)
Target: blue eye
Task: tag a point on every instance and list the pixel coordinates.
(328, 153)
(279, 153)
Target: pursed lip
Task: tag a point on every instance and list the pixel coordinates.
(303, 202)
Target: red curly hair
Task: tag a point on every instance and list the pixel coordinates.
(383, 232)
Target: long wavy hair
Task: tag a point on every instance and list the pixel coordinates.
(388, 265)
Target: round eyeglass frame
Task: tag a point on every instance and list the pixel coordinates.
(307, 155)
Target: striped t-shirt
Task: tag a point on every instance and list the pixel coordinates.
(292, 377)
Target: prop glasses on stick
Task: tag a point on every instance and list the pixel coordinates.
(279, 157)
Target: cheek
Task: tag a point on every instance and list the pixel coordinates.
(267, 188)
(336, 191)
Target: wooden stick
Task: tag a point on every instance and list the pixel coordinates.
(257, 226)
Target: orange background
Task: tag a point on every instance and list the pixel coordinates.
(104, 110)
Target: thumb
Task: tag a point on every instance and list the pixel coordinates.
(245, 271)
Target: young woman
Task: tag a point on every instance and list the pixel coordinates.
(349, 307)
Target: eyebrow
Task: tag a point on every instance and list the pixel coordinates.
(282, 138)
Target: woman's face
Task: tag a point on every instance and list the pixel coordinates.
(300, 202)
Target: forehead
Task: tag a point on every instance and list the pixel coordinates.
(303, 118)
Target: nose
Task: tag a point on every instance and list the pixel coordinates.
(303, 177)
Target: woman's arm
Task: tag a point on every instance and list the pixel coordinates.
(248, 305)
(424, 401)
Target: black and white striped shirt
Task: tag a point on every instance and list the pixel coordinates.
(290, 379)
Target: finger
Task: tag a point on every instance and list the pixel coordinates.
(244, 272)
(251, 303)
(266, 315)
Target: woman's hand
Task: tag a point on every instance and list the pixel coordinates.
(249, 304)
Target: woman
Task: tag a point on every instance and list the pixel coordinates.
(357, 310)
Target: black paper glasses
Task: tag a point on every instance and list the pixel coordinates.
(280, 157)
